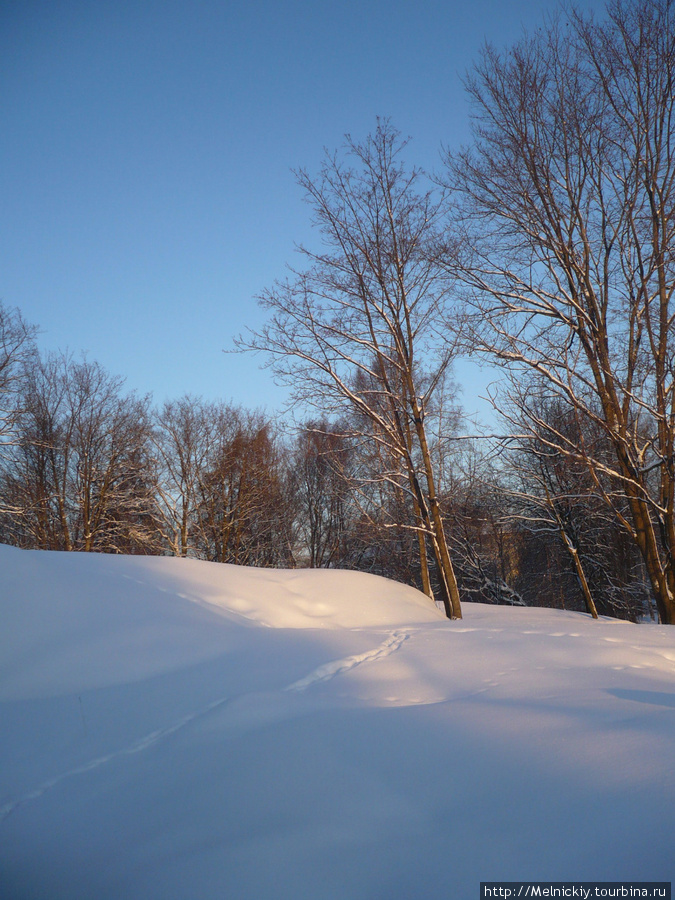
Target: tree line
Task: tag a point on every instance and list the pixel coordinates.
(88, 466)
(546, 247)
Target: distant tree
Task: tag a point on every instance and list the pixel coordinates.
(243, 507)
(322, 487)
(184, 438)
(17, 345)
(484, 543)
(554, 496)
(358, 330)
(80, 476)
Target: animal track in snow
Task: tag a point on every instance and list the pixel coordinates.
(339, 666)
(137, 747)
(322, 673)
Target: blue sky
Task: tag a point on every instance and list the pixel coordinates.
(146, 148)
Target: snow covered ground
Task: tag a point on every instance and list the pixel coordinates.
(179, 729)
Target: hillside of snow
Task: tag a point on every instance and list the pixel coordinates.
(179, 730)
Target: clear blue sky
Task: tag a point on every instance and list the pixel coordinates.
(146, 148)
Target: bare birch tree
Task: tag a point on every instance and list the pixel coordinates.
(358, 328)
(184, 438)
(568, 202)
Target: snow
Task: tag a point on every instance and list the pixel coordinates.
(178, 729)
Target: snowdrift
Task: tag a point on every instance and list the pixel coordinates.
(179, 729)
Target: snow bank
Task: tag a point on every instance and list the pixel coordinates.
(75, 620)
(175, 729)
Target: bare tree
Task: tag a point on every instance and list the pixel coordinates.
(243, 514)
(568, 211)
(358, 329)
(482, 540)
(321, 483)
(553, 494)
(81, 474)
(16, 347)
(184, 438)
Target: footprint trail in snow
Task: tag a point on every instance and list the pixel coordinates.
(340, 666)
(322, 673)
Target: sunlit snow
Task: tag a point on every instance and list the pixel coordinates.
(178, 729)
